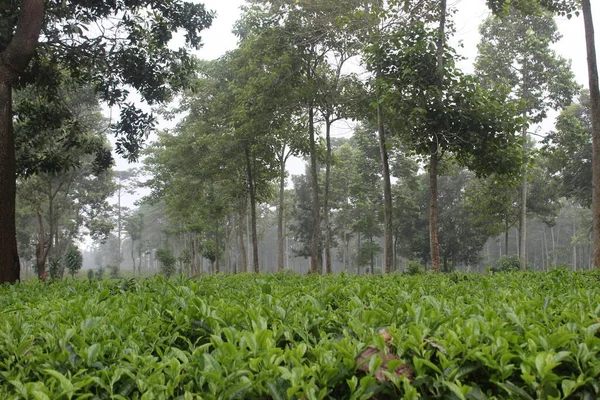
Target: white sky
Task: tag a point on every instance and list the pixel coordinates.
(471, 13)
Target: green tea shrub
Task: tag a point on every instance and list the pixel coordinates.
(285, 336)
(55, 269)
(167, 261)
(113, 271)
(508, 264)
(414, 267)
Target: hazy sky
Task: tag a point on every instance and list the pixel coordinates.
(471, 13)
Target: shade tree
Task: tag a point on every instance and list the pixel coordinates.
(117, 47)
(516, 50)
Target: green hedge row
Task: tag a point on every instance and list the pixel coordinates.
(284, 336)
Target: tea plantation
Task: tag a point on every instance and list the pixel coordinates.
(456, 336)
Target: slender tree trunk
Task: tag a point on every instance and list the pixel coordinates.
(43, 247)
(388, 246)
(119, 225)
(241, 229)
(280, 244)
(326, 196)
(252, 194)
(13, 61)
(315, 259)
(195, 268)
(358, 254)
(372, 256)
(133, 256)
(595, 100)
(523, 209)
(506, 232)
(140, 257)
(9, 257)
(434, 242)
(554, 255)
(216, 264)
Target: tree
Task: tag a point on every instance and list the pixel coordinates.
(568, 8)
(15, 53)
(126, 180)
(458, 116)
(516, 50)
(167, 261)
(62, 205)
(314, 30)
(569, 151)
(366, 195)
(73, 260)
(134, 226)
(129, 52)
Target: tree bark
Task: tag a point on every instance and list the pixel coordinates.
(216, 264)
(434, 241)
(13, 61)
(252, 194)
(315, 264)
(523, 208)
(43, 246)
(326, 197)
(241, 229)
(133, 256)
(280, 244)
(388, 248)
(595, 100)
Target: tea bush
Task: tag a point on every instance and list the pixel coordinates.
(499, 336)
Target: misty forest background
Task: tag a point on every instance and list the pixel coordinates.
(369, 95)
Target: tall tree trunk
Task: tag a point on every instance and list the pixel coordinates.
(9, 257)
(523, 209)
(119, 225)
(133, 256)
(13, 61)
(252, 194)
(595, 100)
(43, 247)
(241, 229)
(315, 258)
(358, 254)
(216, 265)
(506, 237)
(554, 255)
(434, 242)
(388, 246)
(326, 196)
(280, 211)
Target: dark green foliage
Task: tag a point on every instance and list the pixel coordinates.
(72, 260)
(475, 123)
(167, 261)
(414, 267)
(501, 336)
(56, 269)
(113, 271)
(113, 47)
(507, 264)
(569, 151)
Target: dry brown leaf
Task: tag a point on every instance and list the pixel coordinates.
(435, 345)
(363, 364)
(387, 336)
